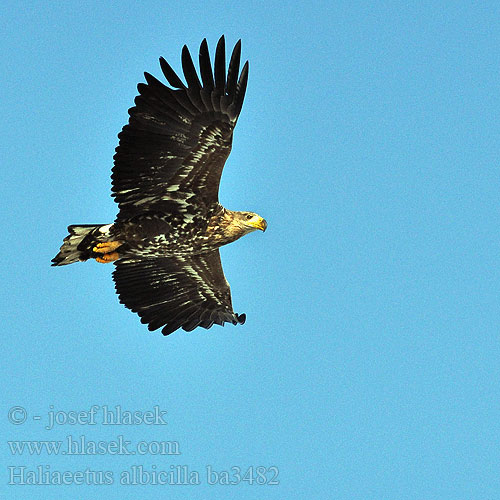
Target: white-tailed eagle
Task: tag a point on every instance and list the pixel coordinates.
(167, 168)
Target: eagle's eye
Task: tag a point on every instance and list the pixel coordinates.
(249, 216)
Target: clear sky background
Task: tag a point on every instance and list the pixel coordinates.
(369, 366)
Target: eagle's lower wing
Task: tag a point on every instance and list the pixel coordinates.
(171, 154)
(176, 292)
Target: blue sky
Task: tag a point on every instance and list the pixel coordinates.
(369, 366)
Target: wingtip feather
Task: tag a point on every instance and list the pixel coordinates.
(220, 65)
(171, 75)
(189, 69)
(241, 88)
(234, 69)
(207, 76)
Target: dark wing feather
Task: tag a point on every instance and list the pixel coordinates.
(234, 69)
(171, 75)
(206, 67)
(171, 153)
(220, 66)
(189, 70)
(176, 292)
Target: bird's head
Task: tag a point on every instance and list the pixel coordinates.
(251, 221)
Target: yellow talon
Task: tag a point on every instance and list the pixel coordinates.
(107, 246)
(108, 257)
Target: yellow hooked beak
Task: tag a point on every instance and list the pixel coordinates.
(259, 223)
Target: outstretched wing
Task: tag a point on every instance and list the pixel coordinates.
(171, 154)
(176, 292)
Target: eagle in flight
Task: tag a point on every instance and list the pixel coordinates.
(165, 239)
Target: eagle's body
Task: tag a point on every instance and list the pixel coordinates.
(151, 235)
(166, 176)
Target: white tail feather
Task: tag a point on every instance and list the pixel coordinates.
(70, 252)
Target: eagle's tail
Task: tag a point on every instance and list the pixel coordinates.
(78, 245)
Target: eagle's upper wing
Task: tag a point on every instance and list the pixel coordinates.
(171, 154)
(176, 292)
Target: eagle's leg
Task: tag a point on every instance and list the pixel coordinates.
(108, 257)
(107, 246)
(107, 249)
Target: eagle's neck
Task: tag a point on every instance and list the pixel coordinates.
(224, 227)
